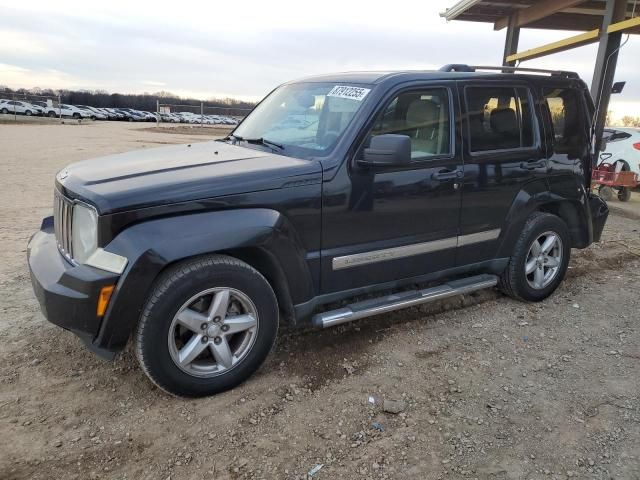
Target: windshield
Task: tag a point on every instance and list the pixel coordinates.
(302, 119)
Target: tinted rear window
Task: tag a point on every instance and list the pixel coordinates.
(500, 118)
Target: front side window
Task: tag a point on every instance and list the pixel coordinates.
(421, 115)
(500, 118)
(306, 119)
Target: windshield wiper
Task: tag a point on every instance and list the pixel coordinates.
(259, 141)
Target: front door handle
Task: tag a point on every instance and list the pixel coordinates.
(533, 165)
(447, 175)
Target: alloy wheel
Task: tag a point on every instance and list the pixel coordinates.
(543, 260)
(212, 332)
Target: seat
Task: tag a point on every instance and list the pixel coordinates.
(422, 124)
(504, 125)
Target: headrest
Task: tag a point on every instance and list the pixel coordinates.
(504, 120)
(421, 112)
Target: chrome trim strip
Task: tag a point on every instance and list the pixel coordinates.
(348, 261)
(375, 256)
(478, 237)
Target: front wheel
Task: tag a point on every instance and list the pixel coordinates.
(540, 259)
(5, 111)
(208, 324)
(624, 194)
(76, 116)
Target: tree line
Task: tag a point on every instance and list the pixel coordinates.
(101, 98)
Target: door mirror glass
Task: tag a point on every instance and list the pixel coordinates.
(388, 150)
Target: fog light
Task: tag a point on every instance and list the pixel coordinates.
(103, 299)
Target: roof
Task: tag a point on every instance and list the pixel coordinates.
(377, 77)
(543, 14)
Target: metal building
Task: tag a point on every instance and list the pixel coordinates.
(601, 21)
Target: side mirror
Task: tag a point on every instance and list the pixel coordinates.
(388, 150)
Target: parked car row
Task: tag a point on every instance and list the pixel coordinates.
(195, 118)
(79, 112)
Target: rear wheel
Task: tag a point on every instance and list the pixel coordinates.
(5, 111)
(76, 115)
(52, 114)
(28, 113)
(208, 325)
(624, 194)
(540, 259)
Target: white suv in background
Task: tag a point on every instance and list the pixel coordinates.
(17, 106)
(623, 143)
(68, 111)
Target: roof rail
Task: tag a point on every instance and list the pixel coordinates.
(457, 67)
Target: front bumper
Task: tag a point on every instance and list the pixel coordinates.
(67, 294)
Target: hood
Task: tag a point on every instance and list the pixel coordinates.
(180, 173)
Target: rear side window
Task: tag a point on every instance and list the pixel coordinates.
(564, 107)
(422, 115)
(500, 118)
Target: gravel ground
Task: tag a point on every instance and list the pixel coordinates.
(482, 386)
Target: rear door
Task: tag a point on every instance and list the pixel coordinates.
(503, 153)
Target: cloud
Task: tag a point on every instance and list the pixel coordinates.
(246, 48)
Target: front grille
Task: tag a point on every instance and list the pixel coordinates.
(62, 220)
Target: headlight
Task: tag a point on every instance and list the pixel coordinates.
(84, 236)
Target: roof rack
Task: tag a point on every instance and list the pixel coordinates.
(460, 67)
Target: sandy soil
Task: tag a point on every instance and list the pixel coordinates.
(490, 387)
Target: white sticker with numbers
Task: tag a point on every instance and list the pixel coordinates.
(352, 93)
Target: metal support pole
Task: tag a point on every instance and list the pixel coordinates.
(511, 41)
(157, 112)
(59, 108)
(15, 113)
(201, 114)
(605, 68)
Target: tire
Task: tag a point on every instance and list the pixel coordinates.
(624, 194)
(52, 114)
(515, 282)
(76, 116)
(28, 113)
(605, 192)
(130, 119)
(5, 111)
(190, 287)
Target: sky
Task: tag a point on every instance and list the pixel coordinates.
(243, 49)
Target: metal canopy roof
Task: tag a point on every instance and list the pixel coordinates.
(543, 14)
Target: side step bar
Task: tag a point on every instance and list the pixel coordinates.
(397, 301)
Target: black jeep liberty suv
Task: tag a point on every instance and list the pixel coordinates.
(400, 187)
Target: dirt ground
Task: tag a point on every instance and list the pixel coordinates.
(488, 387)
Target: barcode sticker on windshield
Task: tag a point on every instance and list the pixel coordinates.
(352, 93)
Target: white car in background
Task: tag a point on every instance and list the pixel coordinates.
(68, 111)
(94, 113)
(17, 106)
(623, 143)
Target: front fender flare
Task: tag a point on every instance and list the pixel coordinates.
(153, 245)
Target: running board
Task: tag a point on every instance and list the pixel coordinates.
(397, 301)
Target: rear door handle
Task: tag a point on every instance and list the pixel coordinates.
(447, 175)
(533, 165)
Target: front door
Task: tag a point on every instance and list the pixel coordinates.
(384, 224)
